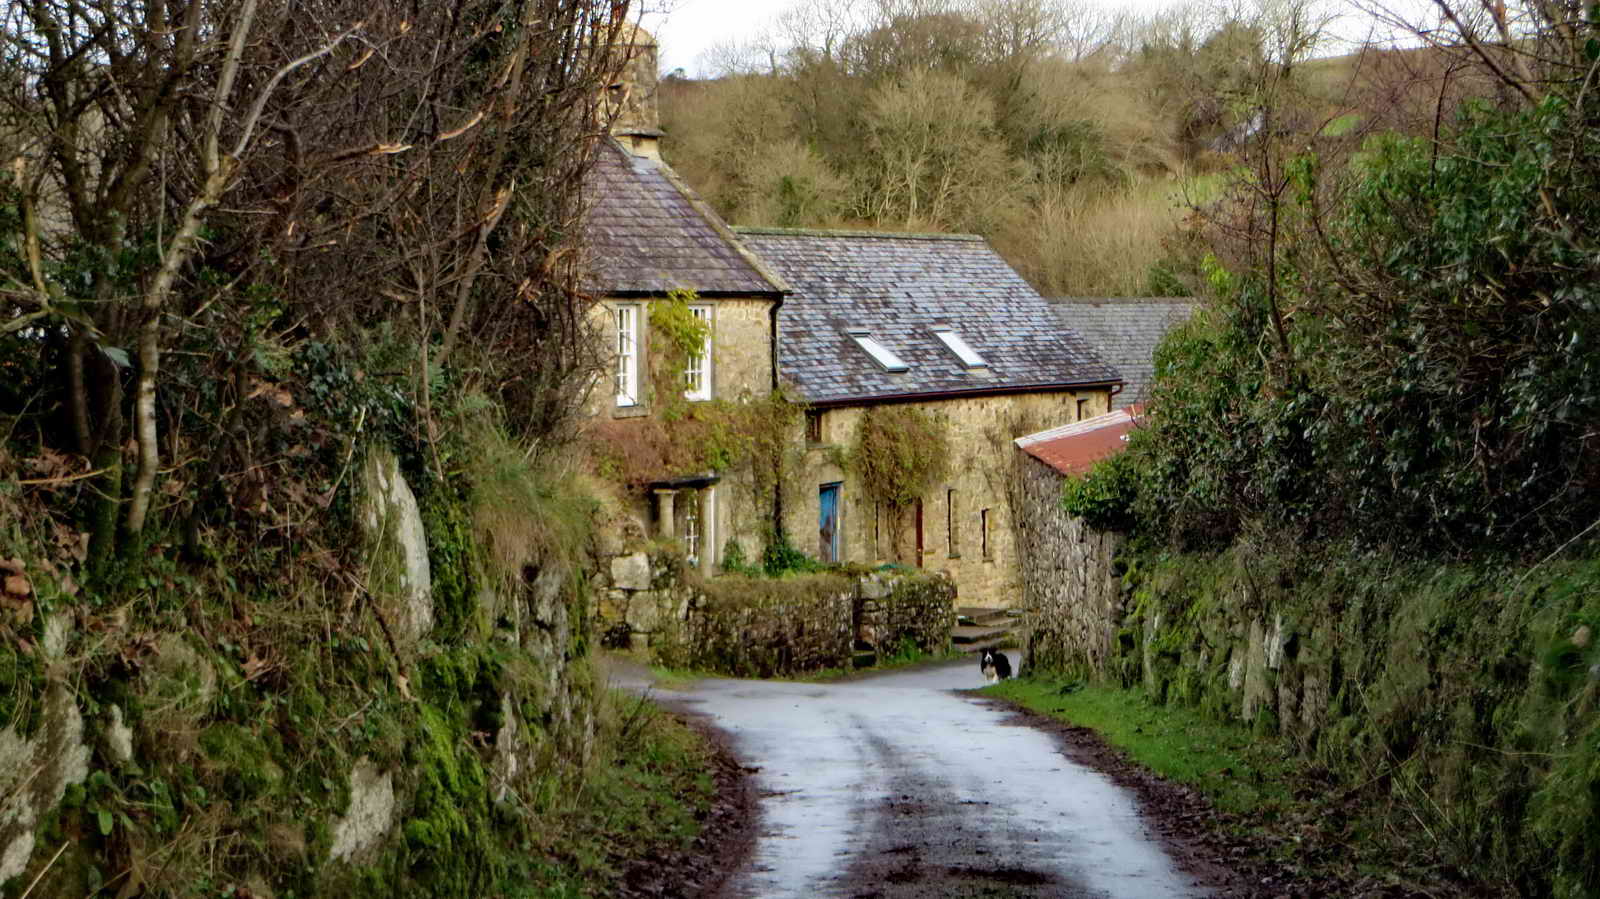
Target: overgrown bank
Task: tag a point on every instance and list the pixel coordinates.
(1456, 701)
(438, 728)
(1362, 505)
(296, 594)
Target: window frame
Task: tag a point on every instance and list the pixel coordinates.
(626, 328)
(699, 366)
(814, 430)
(886, 358)
(955, 343)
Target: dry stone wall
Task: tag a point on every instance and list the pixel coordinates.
(1479, 681)
(900, 609)
(764, 627)
(1072, 598)
(753, 627)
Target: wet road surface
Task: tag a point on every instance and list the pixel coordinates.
(898, 785)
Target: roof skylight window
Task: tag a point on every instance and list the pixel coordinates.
(958, 345)
(879, 353)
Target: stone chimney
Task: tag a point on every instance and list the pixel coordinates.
(636, 122)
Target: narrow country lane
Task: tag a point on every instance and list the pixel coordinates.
(899, 785)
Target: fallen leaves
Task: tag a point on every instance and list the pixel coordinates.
(16, 593)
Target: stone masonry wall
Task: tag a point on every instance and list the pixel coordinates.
(761, 627)
(741, 369)
(898, 608)
(752, 627)
(986, 572)
(1466, 690)
(1071, 593)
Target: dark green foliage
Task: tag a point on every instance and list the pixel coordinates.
(1104, 496)
(1459, 695)
(1440, 377)
(780, 557)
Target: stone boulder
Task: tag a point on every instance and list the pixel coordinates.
(398, 573)
(370, 814)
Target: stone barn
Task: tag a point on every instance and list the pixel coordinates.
(1072, 595)
(942, 324)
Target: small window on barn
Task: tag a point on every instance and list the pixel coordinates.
(1083, 409)
(813, 425)
(983, 529)
(957, 344)
(879, 353)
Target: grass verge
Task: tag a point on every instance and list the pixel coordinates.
(1280, 822)
(1234, 769)
(644, 798)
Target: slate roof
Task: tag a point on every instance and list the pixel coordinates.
(897, 287)
(1125, 331)
(1073, 449)
(647, 234)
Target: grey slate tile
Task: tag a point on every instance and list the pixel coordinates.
(1126, 331)
(647, 233)
(896, 287)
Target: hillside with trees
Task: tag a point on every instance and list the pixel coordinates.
(1081, 143)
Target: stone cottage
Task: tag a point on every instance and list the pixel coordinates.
(649, 238)
(943, 323)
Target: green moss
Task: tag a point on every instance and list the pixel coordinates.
(452, 567)
(243, 759)
(449, 848)
(1464, 694)
(21, 690)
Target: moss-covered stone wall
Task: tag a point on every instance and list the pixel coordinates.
(779, 627)
(901, 610)
(1469, 692)
(202, 730)
(1071, 599)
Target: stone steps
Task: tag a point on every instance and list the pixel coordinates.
(984, 617)
(979, 628)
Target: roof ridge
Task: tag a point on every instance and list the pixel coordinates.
(1081, 426)
(1121, 301)
(716, 223)
(849, 232)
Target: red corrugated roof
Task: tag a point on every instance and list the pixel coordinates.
(1073, 449)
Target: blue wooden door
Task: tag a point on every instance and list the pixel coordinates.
(829, 520)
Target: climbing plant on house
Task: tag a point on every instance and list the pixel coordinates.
(679, 337)
(899, 454)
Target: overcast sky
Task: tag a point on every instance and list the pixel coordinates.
(690, 27)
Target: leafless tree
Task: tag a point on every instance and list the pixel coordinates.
(366, 162)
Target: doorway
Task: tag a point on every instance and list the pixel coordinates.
(828, 519)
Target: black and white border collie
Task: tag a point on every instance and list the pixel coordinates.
(995, 666)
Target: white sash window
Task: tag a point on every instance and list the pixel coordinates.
(697, 374)
(627, 355)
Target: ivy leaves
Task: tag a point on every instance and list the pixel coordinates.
(900, 453)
